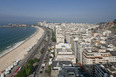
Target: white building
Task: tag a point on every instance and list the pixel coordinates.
(63, 52)
(59, 35)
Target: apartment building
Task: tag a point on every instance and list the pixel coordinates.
(63, 52)
(105, 70)
(59, 35)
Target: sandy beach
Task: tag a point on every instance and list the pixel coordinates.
(20, 52)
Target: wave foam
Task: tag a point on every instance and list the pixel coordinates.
(12, 47)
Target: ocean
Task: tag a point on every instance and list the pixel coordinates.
(14, 36)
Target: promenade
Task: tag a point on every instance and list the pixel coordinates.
(20, 52)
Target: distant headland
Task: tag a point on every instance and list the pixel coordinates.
(16, 25)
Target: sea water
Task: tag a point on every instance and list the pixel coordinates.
(11, 37)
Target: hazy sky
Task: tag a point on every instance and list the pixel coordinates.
(31, 11)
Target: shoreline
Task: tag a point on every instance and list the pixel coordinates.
(20, 51)
(5, 52)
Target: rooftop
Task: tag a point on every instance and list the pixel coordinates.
(110, 67)
(62, 45)
(61, 64)
(72, 72)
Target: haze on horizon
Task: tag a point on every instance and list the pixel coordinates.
(32, 11)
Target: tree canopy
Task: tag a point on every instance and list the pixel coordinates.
(114, 21)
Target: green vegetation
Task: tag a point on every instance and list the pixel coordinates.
(42, 50)
(114, 27)
(53, 37)
(21, 73)
(53, 34)
(114, 21)
(35, 60)
(65, 41)
(27, 69)
(52, 52)
(48, 35)
(48, 32)
(45, 41)
(50, 56)
(48, 50)
(76, 60)
(48, 71)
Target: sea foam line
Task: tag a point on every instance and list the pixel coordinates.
(10, 48)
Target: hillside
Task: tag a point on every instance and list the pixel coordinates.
(113, 29)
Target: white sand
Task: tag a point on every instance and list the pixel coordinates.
(20, 52)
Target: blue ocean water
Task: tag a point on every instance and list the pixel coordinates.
(10, 36)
